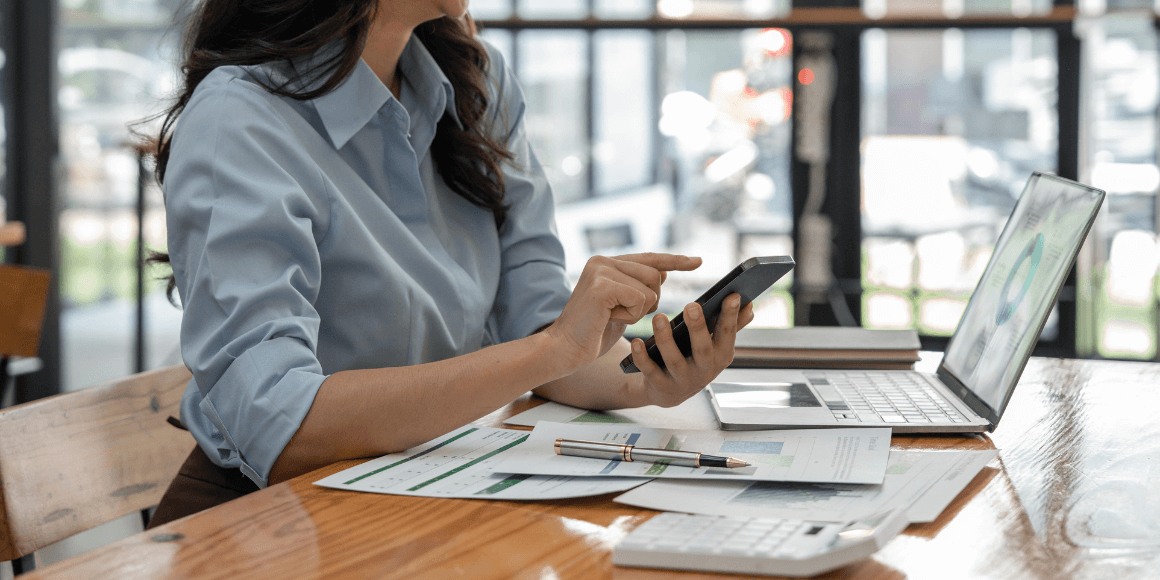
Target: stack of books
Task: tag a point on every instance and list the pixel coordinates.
(826, 347)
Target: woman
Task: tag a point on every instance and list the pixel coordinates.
(354, 213)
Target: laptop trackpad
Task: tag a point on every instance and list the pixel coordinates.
(761, 405)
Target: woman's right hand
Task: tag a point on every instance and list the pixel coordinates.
(612, 293)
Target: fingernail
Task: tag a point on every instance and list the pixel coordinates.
(659, 321)
(692, 313)
(636, 346)
(735, 302)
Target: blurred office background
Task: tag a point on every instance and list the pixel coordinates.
(891, 135)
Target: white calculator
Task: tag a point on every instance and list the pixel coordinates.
(754, 545)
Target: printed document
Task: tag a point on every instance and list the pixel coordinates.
(820, 455)
(922, 482)
(461, 464)
(694, 413)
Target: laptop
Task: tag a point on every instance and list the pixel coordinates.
(983, 360)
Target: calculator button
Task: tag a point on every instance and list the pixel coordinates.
(700, 548)
(737, 550)
(784, 552)
(634, 543)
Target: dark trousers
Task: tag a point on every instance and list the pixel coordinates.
(200, 484)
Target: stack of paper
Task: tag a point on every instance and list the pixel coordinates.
(826, 347)
(815, 474)
(921, 482)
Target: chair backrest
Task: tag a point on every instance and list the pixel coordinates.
(77, 460)
(23, 292)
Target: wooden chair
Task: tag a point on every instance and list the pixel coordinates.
(76, 460)
(23, 295)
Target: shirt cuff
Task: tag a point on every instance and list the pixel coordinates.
(256, 407)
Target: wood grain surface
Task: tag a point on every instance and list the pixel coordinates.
(1070, 496)
(23, 295)
(80, 459)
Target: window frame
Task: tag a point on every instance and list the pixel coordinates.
(28, 33)
(843, 187)
(31, 153)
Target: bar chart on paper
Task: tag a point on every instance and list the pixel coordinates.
(443, 465)
(462, 464)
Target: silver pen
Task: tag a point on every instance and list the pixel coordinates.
(620, 452)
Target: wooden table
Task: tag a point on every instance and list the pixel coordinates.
(1075, 493)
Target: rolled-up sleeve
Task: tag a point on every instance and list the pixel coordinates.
(533, 287)
(246, 212)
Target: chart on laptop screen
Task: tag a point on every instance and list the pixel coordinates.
(1031, 259)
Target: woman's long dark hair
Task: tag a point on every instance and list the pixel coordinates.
(249, 32)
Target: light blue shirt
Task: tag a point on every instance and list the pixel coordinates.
(313, 237)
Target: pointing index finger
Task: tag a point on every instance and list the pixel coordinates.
(664, 262)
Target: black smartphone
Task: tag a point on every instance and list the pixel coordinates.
(750, 279)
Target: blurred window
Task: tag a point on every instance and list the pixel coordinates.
(954, 122)
(1118, 307)
(115, 68)
(956, 8)
(618, 9)
(623, 108)
(678, 140)
(739, 9)
(553, 69)
(490, 9)
(552, 9)
(502, 40)
(665, 141)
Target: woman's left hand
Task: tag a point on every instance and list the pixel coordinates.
(683, 376)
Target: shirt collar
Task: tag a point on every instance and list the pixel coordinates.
(431, 86)
(348, 108)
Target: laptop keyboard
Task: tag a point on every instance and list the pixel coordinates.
(882, 397)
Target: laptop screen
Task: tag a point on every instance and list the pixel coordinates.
(1014, 296)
